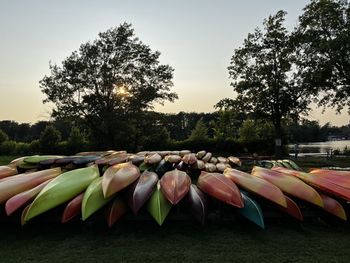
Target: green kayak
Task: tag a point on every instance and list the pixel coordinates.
(62, 189)
(252, 211)
(93, 198)
(158, 206)
(35, 159)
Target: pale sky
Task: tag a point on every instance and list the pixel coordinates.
(195, 37)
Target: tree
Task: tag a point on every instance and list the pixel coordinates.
(76, 141)
(200, 132)
(49, 140)
(264, 78)
(3, 137)
(108, 83)
(323, 41)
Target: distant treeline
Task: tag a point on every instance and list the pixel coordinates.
(220, 131)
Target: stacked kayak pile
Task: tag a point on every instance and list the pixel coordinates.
(113, 182)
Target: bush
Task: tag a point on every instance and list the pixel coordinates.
(3, 137)
(8, 148)
(34, 147)
(23, 148)
(49, 140)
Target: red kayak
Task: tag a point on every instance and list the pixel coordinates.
(19, 200)
(341, 178)
(115, 211)
(220, 187)
(289, 185)
(73, 208)
(292, 209)
(318, 182)
(333, 207)
(117, 177)
(257, 186)
(141, 190)
(175, 185)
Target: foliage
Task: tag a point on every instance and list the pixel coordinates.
(49, 140)
(3, 137)
(323, 41)
(76, 141)
(264, 78)
(108, 82)
(200, 132)
(8, 147)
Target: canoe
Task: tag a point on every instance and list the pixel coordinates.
(292, 209)
(36, 159)
(330, 172)
(23, 182)
(175, 185)
(136, 159)
(252, 211)
(173, 158)
(164, 167)
(289, 185)
(147, 167)
(66, 160)
(292, 164)
(141, 190)
(73, 208)
(153, 158)
(117, 160)
(28, 166)
(318, 182)
(234, 161)
(158, 206)
(93, 199)
(62, 189)
(220, 187)
(257, 186)
(196, 203)
(19, 200)
(117, 177)
(189, 159)
(333, 207)
(115, 211)
(6, 171)
(24, 213)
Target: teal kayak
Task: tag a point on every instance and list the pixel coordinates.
(62, 189)
(252, 211)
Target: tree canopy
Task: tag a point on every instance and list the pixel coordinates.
(264, 77)
(323, 41)
(108, 82)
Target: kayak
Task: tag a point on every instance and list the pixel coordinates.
(6, 171)
(117, 177)
(257, 186)
(62, 189)
(175, 185)
(36, 159)
(339, 178)
(158, 206)
(73, 208)
(115, 211)
(19, 200)
(252, 211)
(292, 209)
(84, 160)
(23, 182)
(93, 199)
(220, 187)
(189, 159)
(196, 203)
(318, 182)
(333, 207)
(164, 167)
(141, 190)
(289, 185)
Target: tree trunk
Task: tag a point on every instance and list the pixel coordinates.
(278, 140)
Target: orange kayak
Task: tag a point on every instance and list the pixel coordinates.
(341, 178)
(6, 171)
(257, 186)
(175, 185)
(318, 182)
(333, 206)
(118, 177)
(220, 187)
(292, 209)
(289, 185)
(115, 211)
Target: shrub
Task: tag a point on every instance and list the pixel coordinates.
(8, 148)
(49, 140)
(3, 137)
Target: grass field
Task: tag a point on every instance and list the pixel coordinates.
(283, 240)
(286, 241)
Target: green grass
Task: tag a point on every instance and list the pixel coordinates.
(176, 242)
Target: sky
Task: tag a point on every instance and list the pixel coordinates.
(196, 37)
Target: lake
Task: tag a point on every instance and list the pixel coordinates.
(320, 147)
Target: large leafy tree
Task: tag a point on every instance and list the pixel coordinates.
(108, 84)
(264, 77)
(323, 41)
